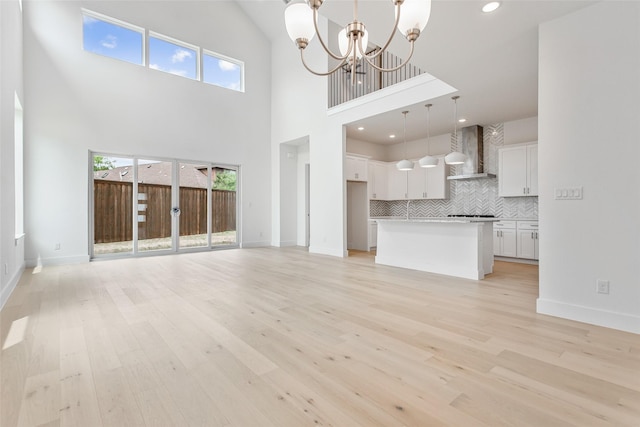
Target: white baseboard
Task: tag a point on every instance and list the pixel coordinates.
(11, 285)
(328, 251)
(608, 319)
(79, 259)
(518, 260)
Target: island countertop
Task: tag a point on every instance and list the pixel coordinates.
(455, 219)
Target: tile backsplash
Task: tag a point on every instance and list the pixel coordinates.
(469, 197)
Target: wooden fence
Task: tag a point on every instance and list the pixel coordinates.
(113, 211)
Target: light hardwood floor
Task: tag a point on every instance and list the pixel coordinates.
(280, 337)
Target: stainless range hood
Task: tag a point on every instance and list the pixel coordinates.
(471, 143)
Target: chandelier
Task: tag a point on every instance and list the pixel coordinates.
(301, 20)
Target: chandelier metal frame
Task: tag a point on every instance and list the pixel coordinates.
(356, 32)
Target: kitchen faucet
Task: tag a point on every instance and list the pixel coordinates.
(408, 201)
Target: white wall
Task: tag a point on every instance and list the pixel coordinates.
(78, 101)
(365, 148)
(439, 144)
(589, 87)
(295, 117)
(519, 131)
(301, 216)
(289, 195)
(11, 83)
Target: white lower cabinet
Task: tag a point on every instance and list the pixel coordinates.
(505, 238)
(373, 234)
(528, 239)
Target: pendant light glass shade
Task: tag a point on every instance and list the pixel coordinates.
(414, 15)
(428, 161)
(298, 18)
(404, 164)
(455, 157)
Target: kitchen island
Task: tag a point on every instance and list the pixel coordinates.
(461, 247)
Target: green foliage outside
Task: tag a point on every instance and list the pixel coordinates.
(101, 163)
(225, 181)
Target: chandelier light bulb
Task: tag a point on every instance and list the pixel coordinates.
(343, 43)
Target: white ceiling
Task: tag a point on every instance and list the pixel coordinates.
(492, 59)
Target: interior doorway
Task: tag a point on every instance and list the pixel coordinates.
(295, 194)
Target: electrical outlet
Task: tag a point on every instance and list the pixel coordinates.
(6, 268)
(602, 286)
(57, 247)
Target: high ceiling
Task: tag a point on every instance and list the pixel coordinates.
(492, 59)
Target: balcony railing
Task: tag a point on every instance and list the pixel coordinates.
(368, 79)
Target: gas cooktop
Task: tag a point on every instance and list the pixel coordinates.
(470, 216)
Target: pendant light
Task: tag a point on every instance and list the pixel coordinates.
(428, 161)
(455, 157)
(405, 165)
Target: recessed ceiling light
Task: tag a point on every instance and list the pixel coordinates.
(491, 6)
(360, 128)
(462, 120)
(392, 136)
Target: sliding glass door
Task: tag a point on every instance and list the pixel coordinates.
(194, 180)
(154, 200)
(144, 205)
(113, 220)
(223, 205)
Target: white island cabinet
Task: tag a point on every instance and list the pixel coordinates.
(461, 247)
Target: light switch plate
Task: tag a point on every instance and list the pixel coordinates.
(568, 193)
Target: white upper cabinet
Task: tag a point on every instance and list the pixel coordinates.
(437, 186)
(386, 182)
(429, 183)
(416, 183)
(518, 171)
(397, 183)
(377, 180)
(355, 168)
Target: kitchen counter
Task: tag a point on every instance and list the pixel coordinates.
(456, 246)
(438, 219)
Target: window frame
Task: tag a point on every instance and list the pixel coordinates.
(228, 59)
(180, 43)
(114, 21)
